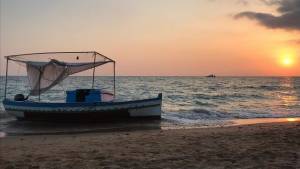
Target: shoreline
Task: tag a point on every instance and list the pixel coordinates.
(269, 145)
(234, 122)
(44, 128)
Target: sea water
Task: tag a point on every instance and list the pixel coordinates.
(188, 101)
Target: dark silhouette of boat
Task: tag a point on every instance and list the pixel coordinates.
(211, 76)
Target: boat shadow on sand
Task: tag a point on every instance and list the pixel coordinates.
(13, 126)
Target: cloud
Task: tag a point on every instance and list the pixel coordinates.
(271, 2)
(289, 18)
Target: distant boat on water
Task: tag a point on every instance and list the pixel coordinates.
(211, 76)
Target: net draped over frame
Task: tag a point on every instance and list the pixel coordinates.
(43, 75)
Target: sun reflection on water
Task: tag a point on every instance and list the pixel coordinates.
(289, 96)
(292, 119)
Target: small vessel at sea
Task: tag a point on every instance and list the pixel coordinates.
(45, 71)
(211, 76)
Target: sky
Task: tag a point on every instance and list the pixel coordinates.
(161, 37)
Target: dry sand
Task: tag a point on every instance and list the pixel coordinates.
(275, 145)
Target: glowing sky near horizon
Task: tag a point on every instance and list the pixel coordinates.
(153, 37)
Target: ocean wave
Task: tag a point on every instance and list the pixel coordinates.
(228, 97)
(210, 114)
(270, 88)
(260, 87)
(203, 115)
(201, 103)
(198, 114)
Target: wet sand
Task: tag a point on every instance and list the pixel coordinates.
(273, 145)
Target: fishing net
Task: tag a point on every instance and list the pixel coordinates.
(45, 70)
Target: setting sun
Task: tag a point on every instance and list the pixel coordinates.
(287, 60)
(287, 57)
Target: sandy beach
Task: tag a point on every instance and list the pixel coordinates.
(274, 145)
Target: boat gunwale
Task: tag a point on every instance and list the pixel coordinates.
(75, 104)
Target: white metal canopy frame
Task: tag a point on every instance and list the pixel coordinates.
(44, 70)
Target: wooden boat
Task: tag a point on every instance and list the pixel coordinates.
(83, 104)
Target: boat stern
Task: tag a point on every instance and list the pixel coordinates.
(150, 109)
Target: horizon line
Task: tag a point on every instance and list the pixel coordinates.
(171, 76)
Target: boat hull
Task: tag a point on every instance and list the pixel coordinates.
(27, 110)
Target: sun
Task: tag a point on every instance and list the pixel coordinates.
(287, 60)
